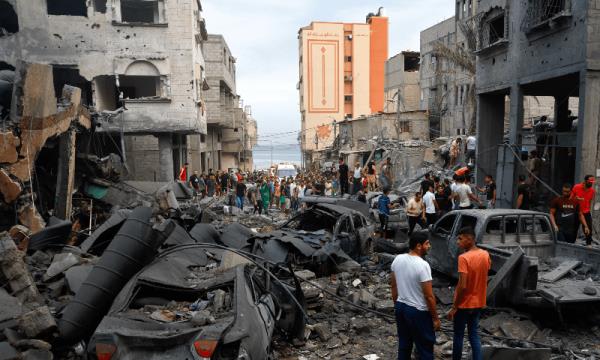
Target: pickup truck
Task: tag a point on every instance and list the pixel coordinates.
(503, 232)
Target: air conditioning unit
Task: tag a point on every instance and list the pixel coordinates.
(349, 37)
(347, 77)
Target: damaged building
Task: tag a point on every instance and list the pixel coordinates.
(231, 128)
(139, 66)
(543, 48)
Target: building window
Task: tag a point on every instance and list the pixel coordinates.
(540, 12)
(9, 21)
(493, 28)
(348, 58)
(348, 98)
(67, 7)
(411, 62)
(140, 11)
(100, 6)
(141, 80)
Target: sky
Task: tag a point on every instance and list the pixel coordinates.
(262, 36)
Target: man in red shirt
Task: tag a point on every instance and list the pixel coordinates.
(470, 294)
(565, 214)
(585, 193)
(183, 173)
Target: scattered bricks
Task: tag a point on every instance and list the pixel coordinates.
(29, 216)
(10, 189)
(37, 323)
(14, 269)
(8, 147)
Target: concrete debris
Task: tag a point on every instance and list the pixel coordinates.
(37, 323)
(60, 264)
(7, 352)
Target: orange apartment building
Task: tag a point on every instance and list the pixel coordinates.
(342, 72)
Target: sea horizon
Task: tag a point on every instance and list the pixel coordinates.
(264, 155)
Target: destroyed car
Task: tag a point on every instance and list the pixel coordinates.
(326, 231)
(397, 216)
(532, 265)
(340, 201)
(195, 302)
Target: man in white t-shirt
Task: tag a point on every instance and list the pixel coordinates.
(414, 302)
(470, 147)
(431, 206)
(463, 194)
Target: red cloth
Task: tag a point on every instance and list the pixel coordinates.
(183, 174)
(580, 191)
(462, 171)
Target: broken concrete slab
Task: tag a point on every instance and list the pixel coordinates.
(504, 353)
(10, 306)
(561, 270)
(15, 270)
(35, 354)
(37, 323)
(230, 259)
(60, 263)
(11, 189)
(305, 274)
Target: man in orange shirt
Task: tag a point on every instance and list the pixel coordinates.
(470, 295)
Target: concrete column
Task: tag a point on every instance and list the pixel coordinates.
(66, 175)
(165, 156)
(490, 128)
(588, 152)
(507, 173)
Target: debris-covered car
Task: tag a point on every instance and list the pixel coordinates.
(327, 232)
(195, 302)
(531, 266)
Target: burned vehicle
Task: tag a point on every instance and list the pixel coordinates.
(398, 217)
(320, 238)
(197, 302)
(340, 201)
(531, 267)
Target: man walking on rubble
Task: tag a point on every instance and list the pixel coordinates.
(265, 195)
(343, 175)
(470, 149)
(240, 192)
(431, 206)
(414, 302)
(470, 294)
(564, 212)
(585, 194)
(384, 206)
(386, 174)
(415, 211)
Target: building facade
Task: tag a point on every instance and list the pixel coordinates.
(140, 67)
(341, 67)
(231, 128)
(538, 48)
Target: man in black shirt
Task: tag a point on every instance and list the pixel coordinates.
(564, 214)
(224, 182)
(194, 182)
(343, 173)
(490, 191)
(426, 184)
(523, 194)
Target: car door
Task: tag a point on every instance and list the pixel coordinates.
(362, 233)
(441, 237)
(346, 235)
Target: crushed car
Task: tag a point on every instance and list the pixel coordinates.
(531, 266)
(197, 302)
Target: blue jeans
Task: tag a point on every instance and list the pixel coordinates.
(470, 319)
(240, 201)
(414, 326)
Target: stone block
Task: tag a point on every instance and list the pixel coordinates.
(31, 218)
(10, 188)
(8, 147)
(38, 322)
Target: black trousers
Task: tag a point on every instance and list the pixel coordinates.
(588, 220)
(383, 221)
(431, 218)
(343, 186)
(414, 220)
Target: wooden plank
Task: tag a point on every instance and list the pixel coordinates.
(504, 271)
(560, 271)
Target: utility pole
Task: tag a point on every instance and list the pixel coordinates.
(398, 113)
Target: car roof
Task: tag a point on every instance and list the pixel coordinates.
(486, 213)
(336, 208)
